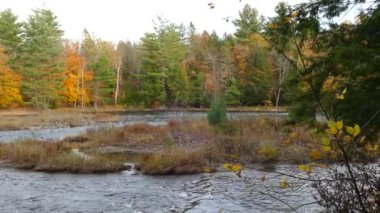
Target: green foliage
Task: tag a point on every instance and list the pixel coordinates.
(217, 113)
(10, 36)
(104, 80)
(232, 93)
(41, 61)
(163, 78)
(247, 23)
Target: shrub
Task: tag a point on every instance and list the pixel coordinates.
(217, 113)
(268, 152)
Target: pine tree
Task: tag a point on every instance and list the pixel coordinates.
(10, 36)
(41, 58)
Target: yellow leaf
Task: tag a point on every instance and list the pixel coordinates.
(339, 125)
(344, 91)
(236, 168)
(331, 124)
(295, 14)
(325, 141)
(332, 131)
(350, 130)
(315, 154)
(309, 168)
(302, 167)
(326, 148)
(288, 19)
(207, 170)
(340, 96)
(356, 130)
(284, 184)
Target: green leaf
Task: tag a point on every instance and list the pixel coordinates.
(344, 91)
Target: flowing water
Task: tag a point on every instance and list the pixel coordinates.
(26, 191)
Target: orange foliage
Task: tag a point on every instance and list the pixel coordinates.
(9, 84)
(240, 54)
(75, 77)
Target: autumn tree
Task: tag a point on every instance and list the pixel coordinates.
(41, 59)
(9, 84)
(251, 58)
(77, 80)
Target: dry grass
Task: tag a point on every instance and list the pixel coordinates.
(176, 148)
(175, 162)
(51, 118)
(56, 157)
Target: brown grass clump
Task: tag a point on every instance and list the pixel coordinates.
(55, 157)
(175, 162)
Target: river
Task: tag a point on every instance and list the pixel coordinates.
(153, 118)
(27, 191)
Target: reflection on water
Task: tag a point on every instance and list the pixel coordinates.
(23, 191)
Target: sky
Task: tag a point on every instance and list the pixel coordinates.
(115, 20)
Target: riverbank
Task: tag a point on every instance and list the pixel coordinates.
(176, 148)
(26, 118)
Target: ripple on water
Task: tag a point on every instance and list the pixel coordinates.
(23, 191)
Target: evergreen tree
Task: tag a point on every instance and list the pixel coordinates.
(10, 36)
(164, 80)
(41, 58)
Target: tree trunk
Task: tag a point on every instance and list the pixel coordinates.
(117, 79)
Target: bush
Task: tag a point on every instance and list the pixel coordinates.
(268, 152)
(217, 113)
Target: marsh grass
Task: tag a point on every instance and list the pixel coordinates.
(55, 157)
(176, 148)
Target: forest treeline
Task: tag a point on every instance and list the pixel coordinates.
(172, 66)
(300, 58)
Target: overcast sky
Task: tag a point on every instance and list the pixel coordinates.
(116, 20)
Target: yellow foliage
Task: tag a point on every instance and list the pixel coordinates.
(76, 81)
(326, 141)
(236, 168)
(326, 148)
(350, 130)
(288, 19)
(9, 84)
(306, 168)
(295, 14)
(339, 125)
(315, 154)
(207, 170)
